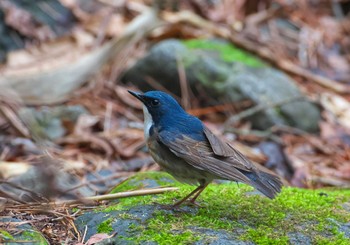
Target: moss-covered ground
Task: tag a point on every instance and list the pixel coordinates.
(231, 207)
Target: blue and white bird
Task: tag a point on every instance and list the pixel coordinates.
(184, 147)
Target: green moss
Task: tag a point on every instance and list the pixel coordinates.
(5, 235)
(265, 235)
(75, 210)
(228, 52)
(230, 207)
(105, 226)
(339, 240)
(140, 180)
(162, 232)
(34, 236)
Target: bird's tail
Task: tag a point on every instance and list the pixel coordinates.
(268, 184)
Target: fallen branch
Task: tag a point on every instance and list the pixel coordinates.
(143, 192)
(121, 195)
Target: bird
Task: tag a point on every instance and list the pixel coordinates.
(185, 148)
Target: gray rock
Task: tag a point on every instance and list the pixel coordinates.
(47, 122)
(92, 220)
(139, 220)
(21, 233)
(266, 86)
(226, 80)
(121, 222)
(139, 216)
(345, 228)
(342, 227)
(218, 237)
(297, 238)
(160, 64)
(41, 182)
(277, 160)
(102, 181)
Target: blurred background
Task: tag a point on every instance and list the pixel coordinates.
(271, 77)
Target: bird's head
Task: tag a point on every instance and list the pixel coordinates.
(159, 105)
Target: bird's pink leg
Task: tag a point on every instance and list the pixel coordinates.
(196, 191)
(193, 200)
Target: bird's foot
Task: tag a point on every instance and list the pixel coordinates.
(167, 206)
(178, 207)
(194, 204)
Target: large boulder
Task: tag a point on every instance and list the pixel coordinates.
(227, 73)
(228, 214)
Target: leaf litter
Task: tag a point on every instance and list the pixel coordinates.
(111, 135)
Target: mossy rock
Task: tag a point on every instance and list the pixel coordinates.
(229, 214)
(227, 51)
(24, 235)
(226, 73)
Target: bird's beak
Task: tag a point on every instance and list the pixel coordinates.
(139, 96)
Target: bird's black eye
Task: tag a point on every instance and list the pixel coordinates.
(154, 102)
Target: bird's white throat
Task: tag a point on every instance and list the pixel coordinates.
(147, 122)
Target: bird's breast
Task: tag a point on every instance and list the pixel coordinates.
(148, 122)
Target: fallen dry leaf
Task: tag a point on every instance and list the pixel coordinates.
(124, 96)
(63, 69)
(338, 106)
(11, 169)
(3, 202)
(97, 238)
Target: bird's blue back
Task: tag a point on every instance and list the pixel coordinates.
(171, 117)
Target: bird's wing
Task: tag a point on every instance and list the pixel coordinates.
(211, 155)
(224, 149)
(220, 148)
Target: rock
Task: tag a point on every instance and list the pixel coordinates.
(277, 160)
(51, 122)
(160, 64)
(228, 214)
(42, 183)
(20, 233)
(296, 238)
(117, 221)
(226, 72)
(266, 86)
(345, 228)
(102, 181)
(219, 237)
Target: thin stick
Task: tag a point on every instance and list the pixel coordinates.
(38, 210)
(84, 235)
(143, 192)
(185, 96)
(115, 196)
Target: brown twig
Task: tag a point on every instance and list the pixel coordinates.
(143, 192)
(119, 195)
(39, 210)
(14, 120)
(19, 188)
(185, 95)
